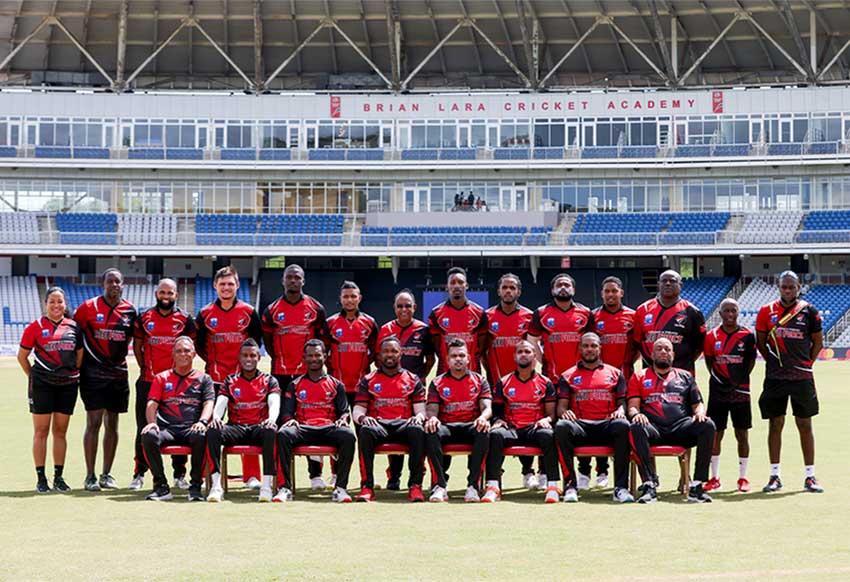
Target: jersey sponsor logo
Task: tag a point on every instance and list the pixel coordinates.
(511, 392)
(281, 316)
(338, 332)
(740, 345)
(494, 326)
(600, 325)
(473, 322)
(577, 380)
(627, 325)
(800, 317)
(99, 317)
(150, 326)
(169, 386)
(45, 333)
(237, 392)
(647, 319)
(213, 322)
(447, 392)
(718, 345)
(647, 383)
(609, 378)
(376, 388)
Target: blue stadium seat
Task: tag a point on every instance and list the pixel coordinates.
(548, 153)
(823, 148)
(326, 155)
(8, 152)
(420, 154)
(277, 155)
(370, 154)
(87, 153)
(87, 228)
(455, 154)
(146, 154)
(693, 151)
(512, 153)
(184, 154)
(599, 152)
(633, 152)
(731, 150)
(239, 154)
(52, 152)
(785, 149)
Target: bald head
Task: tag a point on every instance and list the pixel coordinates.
(662, 354)
(166, 295)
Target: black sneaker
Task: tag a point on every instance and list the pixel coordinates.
(648, 494)
(774, 485)
(60, 485)
(697, 494)
(394, 485)
(42, 486)
(160, 493)
(91, 483)
(812, 486)
(195, 493)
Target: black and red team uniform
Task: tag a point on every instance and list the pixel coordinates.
(181, 400)
(220, 336)
(788, 370)
(459, 401)
(247, 407)
(668, 401)
(521, 403)
(352, 347)
(504, 332)
(416, 345)
(616, 332)
(107, 332)
(593, 394)
(390, 400)
(54, 376)
(560, 331)
(447, 322)
(729, 382)
(316, 405)
(156, 334)
(682, 323)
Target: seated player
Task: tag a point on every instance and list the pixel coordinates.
(252, 401)
(665, 407)
(315, 412)
(390, 408)
(524, 409)
(591, 409)
(180, 405)
(458, 412)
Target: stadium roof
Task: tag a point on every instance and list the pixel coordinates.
(421, 44)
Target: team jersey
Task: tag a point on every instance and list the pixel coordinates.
(352, 347)
(54, 346)
(504, 332)
(682, 323)
(181, 398)
(616, 332)
(561, 331)
(156, 333)
(733, 353)
(290, 325)
(415, 342)
(221, 333)
(458, 398)
(248, 398)
(523, 401)
(390, 397)
(667, 399)
(468, 323)
(315, 403)
(789, 338)
(593, 392)
(107, 332)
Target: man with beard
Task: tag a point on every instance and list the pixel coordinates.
(591, 411)
(458, 318)
(665, 407)
(390, 408)
(153, 341)
(670, 316)
(524, 411)
(287, 323)
(106, 323)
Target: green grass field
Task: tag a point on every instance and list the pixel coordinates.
(119, 536)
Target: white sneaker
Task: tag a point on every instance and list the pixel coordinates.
(253, 483)
(602, 480)
(265, 494)
(622, 495)
(542, 483)
(439, 494)
(583, 482)
(332, 482)
(529, 481)
(137, 483)
(492, 495)
(216, 494)
(181, 483)
(571, 495)
(551, 495)
(340, 495)
(471, 495)
(283, 495)
(317, 484)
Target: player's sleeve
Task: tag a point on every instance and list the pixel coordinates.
(78, 338)
(693, 393)
(362, 396)
(750, 347)
(620, 388)
(498, 401)
(372, 341)
(266, 323)
(225, 388)
(321, 330)
(591, 322)
(762, 323)
(433, 393)
(207, 387)
(200, 335)
(288, 412)
(29, 336)
(418, 390)
(550, 395)
(485, 392)
(255, 329)
(138, 328)
(155, 392)
(340, 401)
(708, 346)
(699, 326)
(428, 348)
(483, 324)
(190, 328)
(80, 314)
(274, 385)
(815, 321)
(535, 327)
(633, 389)
(564, 388)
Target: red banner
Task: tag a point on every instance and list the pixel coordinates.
(717, 101)
(336, 106)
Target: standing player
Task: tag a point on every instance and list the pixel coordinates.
(106, 323)
(458, 318)
(789, 336)
(670, 316)
(459, 411)
(287, 323)
(614, 323)
(223, 326)
(417, 356)
(154, 335)
(730, 355)
(53, 378)
(352, 336)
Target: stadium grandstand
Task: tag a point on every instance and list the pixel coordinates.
(383, 142)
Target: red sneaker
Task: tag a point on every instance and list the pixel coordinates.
(711, 484)
(366, 495)
(743, 485)
(414, 494)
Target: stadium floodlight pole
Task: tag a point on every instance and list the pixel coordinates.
(221, 51)
(434, 51)
(363, 56)
(323, 24)
(501, 53)
(258, 44)
(183, 24)
(778, 46)
(642, 54)
(120, 58)
(82, 49)
(738, 16)
(599, 20)
(24, 42)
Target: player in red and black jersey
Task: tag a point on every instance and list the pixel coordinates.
(154, 334)
(352, 337)
(106, 322)
(665, 407)
(524, 411)
(56, 343)
(672, 317)
(789, 336)
(458, 317)
(252, 401)
(730, 355)
(315, 413)
(591, 411)
(180, 406)
(390, 408)
(459, 411)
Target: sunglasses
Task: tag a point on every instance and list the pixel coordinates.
(404, 305)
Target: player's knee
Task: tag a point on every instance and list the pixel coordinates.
(346, 436)
(497, 437)
(565, 427)
(637, 430)
(214, 433)
(150, 439)
(804, 425)
(41, 432)
(367, 432)
(196, 438)
(619, 425)
(708, 426)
